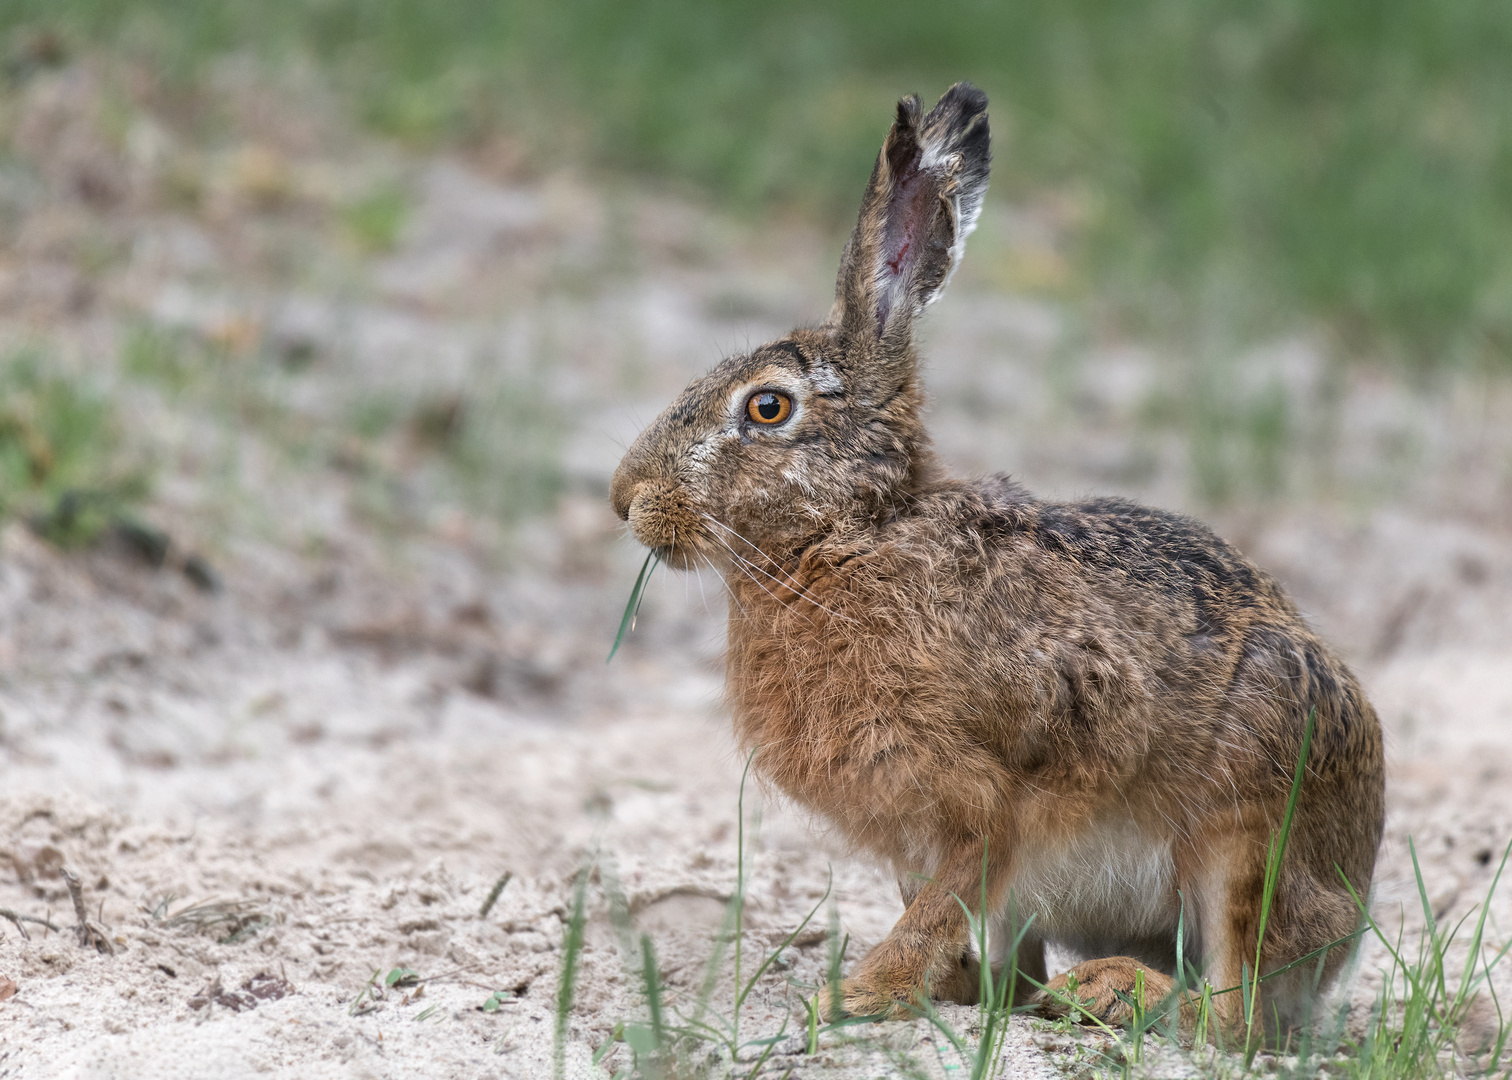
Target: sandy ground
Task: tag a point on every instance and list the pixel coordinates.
(272, 791)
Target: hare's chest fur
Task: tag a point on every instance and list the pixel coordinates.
(1111, 881)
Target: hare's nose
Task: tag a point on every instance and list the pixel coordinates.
(622, 491)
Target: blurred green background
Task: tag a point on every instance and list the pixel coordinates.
(1203, 179)
(1271, 164)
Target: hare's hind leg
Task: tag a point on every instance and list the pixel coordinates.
(1309, 912)
(1227, 889)
(1113, 990)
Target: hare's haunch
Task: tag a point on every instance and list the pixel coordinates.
(1109, 698)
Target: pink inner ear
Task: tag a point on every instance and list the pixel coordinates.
(910, 213)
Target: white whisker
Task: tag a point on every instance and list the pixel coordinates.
(797, 590)
(787, 581)
(746, 568)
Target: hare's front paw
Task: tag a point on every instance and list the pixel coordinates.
(1105, 990)
(859, 998)
(899, 994)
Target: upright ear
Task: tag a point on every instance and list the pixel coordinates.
(921, 203)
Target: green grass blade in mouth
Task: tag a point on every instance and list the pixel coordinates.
(628, 622)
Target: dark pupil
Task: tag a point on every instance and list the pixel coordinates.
(768, 406)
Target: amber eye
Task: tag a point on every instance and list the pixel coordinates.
(769, 407)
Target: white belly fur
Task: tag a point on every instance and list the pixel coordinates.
(1112, 882)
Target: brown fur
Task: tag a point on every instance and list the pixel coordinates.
(1109, 698)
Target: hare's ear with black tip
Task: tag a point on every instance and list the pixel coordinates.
(921, 203)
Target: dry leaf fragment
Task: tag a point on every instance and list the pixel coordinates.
(261, 987)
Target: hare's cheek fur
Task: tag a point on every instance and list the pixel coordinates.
(1087, 712)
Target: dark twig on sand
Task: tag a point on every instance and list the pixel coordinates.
(18, 918)
(89, 931)
(76, 893)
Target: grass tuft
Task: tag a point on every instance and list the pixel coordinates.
(662, 1043)
(375, 221)
(572, 949)
(61, 461)
(229, 921)
(1274, 855)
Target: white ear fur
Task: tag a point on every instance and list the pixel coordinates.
(935, 166)
(967, 209)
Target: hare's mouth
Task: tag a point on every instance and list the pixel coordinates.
(679, 548)
(678, 556)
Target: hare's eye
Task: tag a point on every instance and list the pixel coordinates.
(769, 407)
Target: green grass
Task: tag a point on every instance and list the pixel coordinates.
(374, 221)
(662, 1044)
(1266, 164)
(1414, 1028)
(1275, 853)
(1416, 1023)
(492, 447)
(572, 950)
(982, 1058)
(632, 606)
(62, 464)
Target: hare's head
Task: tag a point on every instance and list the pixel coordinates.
(822, 427)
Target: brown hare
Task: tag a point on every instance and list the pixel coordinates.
(1107, 699)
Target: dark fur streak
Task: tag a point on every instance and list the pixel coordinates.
(790, 349)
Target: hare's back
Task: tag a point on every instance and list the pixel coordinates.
(1112, 549)
(1143, 612)
(1173, 557)
(1146, 606)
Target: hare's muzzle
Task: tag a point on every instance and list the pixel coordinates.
(658, 513)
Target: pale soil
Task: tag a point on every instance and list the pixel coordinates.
(372, 720)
